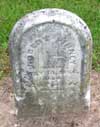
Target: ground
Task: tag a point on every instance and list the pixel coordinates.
(89, 119)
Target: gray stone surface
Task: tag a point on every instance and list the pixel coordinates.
(50, 52)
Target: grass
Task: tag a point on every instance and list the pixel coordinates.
(89, 10)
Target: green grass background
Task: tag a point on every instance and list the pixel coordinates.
(12, 10)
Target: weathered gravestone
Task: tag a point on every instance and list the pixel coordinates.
(50, 52)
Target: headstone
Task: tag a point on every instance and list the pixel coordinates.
(50, 52)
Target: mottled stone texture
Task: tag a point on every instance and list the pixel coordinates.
(50, 52)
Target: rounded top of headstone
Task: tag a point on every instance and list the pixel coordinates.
(52, 15)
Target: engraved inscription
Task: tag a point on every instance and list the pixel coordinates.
(51, 58)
